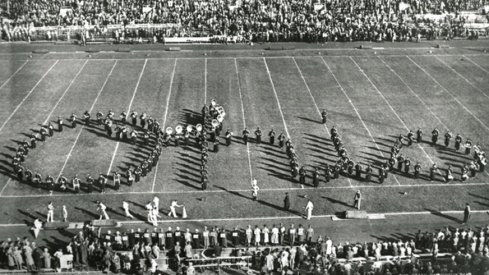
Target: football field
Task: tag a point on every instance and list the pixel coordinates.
(371, 96)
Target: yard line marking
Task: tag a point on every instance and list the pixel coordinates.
(448, 92)
(392, 108)
(463, 77)
(205, 81)
(28, 94)
(276, 97)
(315, 104)
(412, 91)
(374, 186)
(165, 115)
(8, 182)
(18, 70)
(477, 65)
(244, 117)
(81, 129)
(128, 110)
(64, 93)
(356, 111)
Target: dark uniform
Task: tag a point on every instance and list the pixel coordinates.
(434, 136)
(324, 116)
(448, 136)
(281, 140)
(246, 133)
(86, 117)
(228, 135)
(400, 161)
(358, 171)
(258, 135)
(327, 173)
(134, 118)
(216, 145)
(315, 178)
(271, 135)
(90, 184)
(432, 172)
(302, 175)
(419, 135)
(417, 170)
(102, 182)
(381, 175)
(410, 137)
(287, 201)
(458, 141)
(368, 171)
(60, 124)
(73, 120)
(407, 165)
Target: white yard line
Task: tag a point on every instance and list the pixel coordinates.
(28, 94)
(8, 182)
(64, 93)
(463, 77)
(244, 117)
(205, 81)
(475, 64)
(128, 110)
(356, 111)
(18, 70)
(81, 129)
(374, 186)
(448, 92)
(276, 97)
(163, 125)
(392, 109)
(412, 92)
(314, 101)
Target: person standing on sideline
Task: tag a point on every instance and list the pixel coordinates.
(50, 215)
(466, 213)
(65, 214)
(101, 208)
(125, 206)
(254, 189)
(173, 206)
(36, 228)
(309, 207)
(287, 202)
(357, 200)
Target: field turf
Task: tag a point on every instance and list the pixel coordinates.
(371, 96)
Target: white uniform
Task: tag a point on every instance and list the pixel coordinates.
(309, 208)
(65, 214)
(125, 206)
(156, 203)
(103, 213)
(50, 214)
(173, 212)
(37, 227)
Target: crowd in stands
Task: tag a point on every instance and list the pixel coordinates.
(272, 250)
(250, 20)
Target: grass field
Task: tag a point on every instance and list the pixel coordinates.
(371, 99)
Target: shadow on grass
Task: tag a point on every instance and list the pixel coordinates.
(439, 214)
(337, 201)
(261, 202)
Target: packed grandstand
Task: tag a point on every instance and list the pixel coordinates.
(244, 21)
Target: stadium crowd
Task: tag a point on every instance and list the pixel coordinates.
(271, 250)
(257, 20)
